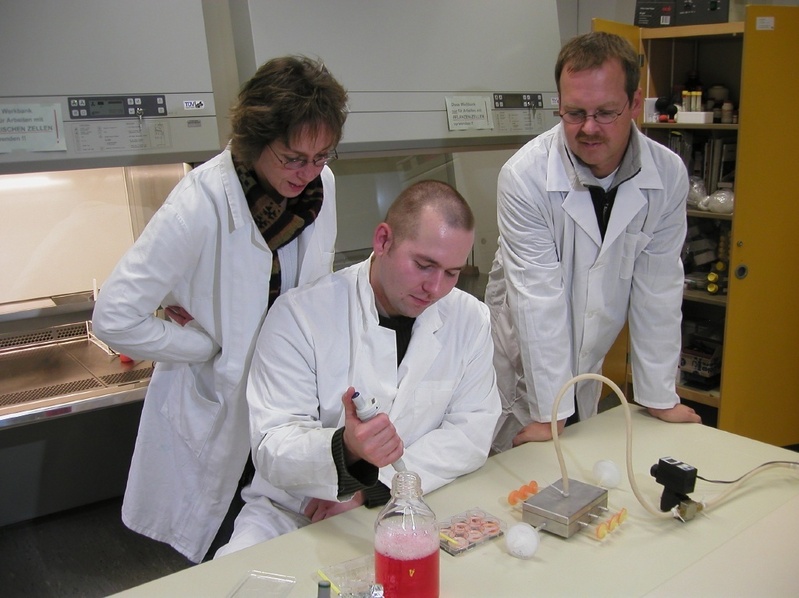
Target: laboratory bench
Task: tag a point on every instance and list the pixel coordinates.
(744, 545)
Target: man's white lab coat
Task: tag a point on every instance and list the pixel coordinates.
(202, 251)
(317, 341)
(559, 295)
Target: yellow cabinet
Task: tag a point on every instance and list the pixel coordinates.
(758, 395)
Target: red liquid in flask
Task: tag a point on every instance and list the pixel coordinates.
(405, 574)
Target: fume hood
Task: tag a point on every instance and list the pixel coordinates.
(422, 76)
(104, 83)
(445, 89)
(101, 105)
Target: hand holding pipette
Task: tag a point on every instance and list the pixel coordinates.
(379, 443)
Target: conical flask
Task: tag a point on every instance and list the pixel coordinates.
(406, 542)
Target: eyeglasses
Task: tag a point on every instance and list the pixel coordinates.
(602, 117)
(300, 163)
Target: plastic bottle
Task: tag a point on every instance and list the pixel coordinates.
(406, 542)
(726, 113)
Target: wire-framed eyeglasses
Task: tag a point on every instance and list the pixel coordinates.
(603, 117)
(300, 163)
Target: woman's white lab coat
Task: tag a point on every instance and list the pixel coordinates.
(559, 295)
(203, 252)
(442, 399)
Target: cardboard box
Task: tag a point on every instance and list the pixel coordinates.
(702, 360)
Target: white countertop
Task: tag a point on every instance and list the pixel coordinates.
(747, 545)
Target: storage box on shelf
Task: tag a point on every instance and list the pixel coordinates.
(694, 118)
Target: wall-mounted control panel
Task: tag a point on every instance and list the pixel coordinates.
(130, 106)
(518, 100)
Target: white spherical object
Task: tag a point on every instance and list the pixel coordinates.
(522, 540)
(606, 473)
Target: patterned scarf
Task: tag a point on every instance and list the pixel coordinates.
(280, 219)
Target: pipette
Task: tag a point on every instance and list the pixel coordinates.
(366, 409)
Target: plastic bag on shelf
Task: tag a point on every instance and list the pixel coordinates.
(721, 201)
(696, 192)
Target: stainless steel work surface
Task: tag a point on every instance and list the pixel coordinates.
(50, 380)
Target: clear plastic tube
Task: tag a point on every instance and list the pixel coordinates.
(630, 475)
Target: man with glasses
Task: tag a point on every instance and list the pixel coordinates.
(592, 222)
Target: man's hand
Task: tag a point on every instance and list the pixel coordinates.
(537, 432)
(319, 508)
(179, 315)
(678, 414)
(375, 441)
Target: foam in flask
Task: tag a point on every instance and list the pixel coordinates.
(406, 542)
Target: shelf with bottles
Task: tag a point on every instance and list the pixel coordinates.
(712, 58)
(705, 259)
(702, 60)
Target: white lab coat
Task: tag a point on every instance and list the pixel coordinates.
(559, 295)
(319, 340)
(202, 251)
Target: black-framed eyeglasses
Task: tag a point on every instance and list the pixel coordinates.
(603, 117)
(300, 163)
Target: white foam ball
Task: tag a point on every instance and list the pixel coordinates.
(522, 540)
(606, 473)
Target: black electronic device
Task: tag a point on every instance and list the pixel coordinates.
(677, 478)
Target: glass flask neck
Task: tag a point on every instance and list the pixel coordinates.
(407, 485)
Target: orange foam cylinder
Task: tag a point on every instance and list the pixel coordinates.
(515, 497)
(601, 531)
(522, 493)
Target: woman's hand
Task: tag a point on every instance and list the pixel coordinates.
(178, 315)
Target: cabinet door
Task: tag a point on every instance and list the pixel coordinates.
(632, 34)
(760, 379)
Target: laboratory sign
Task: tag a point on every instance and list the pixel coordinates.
(31, 127)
